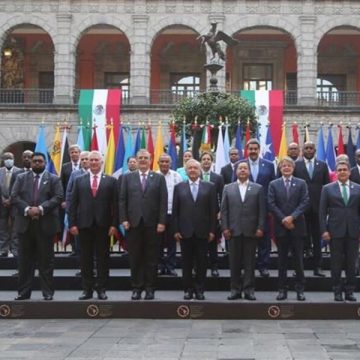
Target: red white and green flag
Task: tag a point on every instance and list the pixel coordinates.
(206, 138)
(269, 109)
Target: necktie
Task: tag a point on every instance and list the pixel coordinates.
(254, 170)
(75, 166)
(310, 169)
(206, 177)
(287, 187)
(35, 190)
(194, 190)
(94, 185)
(344, 193)
(143, 181)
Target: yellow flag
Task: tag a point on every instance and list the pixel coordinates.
(283, 144)
(56, 151)
(159, 148)
(110, 154)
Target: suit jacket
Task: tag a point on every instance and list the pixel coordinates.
(86, 210)
(150, 205)
(194, 217)
(315, 183)
(243, 217)
(355, 175)
(218, 181)
(6, 193)
(339, 219)
(281, 206)
(70, 186)
(66, 171)
(49, 198)
(227, 173)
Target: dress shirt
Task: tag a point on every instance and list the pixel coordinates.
(75, 166)
(242, 188)
(98, 178)
(141, 175)
(172, 178)
(347, 187)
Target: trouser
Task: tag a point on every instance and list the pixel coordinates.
(8, 235)
(313, 236)
(167, 262)
(264, 247)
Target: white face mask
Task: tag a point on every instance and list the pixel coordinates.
(9, 163)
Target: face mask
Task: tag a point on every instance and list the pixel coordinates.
(9, 163)
(38, 170)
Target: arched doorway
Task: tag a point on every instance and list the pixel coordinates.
(18, 148)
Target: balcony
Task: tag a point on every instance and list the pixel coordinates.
(125, 100)
(26, 96)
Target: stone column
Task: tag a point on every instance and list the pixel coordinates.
(140, 61)
(307, 62)
(64, 62)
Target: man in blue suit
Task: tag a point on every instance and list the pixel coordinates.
(261, 172)
(339, 217)
(288, 199)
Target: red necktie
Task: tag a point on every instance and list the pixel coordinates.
(94, 186)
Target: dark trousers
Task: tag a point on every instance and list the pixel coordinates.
(143, 255)
(284, 244)
(344, 251)
(213, 252)
(94, 243)
(264, 247)
(35, 248)
(193, 252)
(242, 252)
(313, 236)
(8, 235)
(167, 262)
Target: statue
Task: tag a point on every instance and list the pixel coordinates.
(212, 38)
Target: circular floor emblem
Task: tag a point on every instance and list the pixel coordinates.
(5, 310)
(92, 310)
(274, 311)
(183, 311)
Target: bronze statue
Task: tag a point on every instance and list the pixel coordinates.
(212, 38)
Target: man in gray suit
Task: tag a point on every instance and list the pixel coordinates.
(143, 210)
(339, 216)
(36, 195)
(242, 220)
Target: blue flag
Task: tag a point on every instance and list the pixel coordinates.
(80, 140)
(320, 147)
(226, 144)
(41, 143)
(172, 150)
(358, 139)
(268, 152)
(238, 143)
(350, 149)
(330, 151)
(120, 151)
(137, 141)
(129, 150)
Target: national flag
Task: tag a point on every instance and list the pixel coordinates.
(238, 140)
(137, 145)
(350, 149)
(330, 151)
(110, 154)
(129, 149)
(80, 140)
(320, 146)
(183, 146)
(103, 106)
(56, 151)
(197, 139)
(143, 138)
(307, 134)
(220, 160)
(159, 148)
(206, 138)
(150, 147)
(226, 143)
(269, 108)
(65, 157)
(41, 143)
(172, 148)
(247, 138)
(340, 147)
(283, 143)
(268, 152)
(120, 151)
(358, 139)
(295, 133)
(94, 141)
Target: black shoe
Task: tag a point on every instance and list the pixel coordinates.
(136, 295)
(78, 274)
(350, 297)
(300, 296)
(250, 296)
(15, 274)
(48, 297)
(86, 295)
(22, 297)
(161, 272)
(214, 273)
(338, 297)
(199, 295)
(171, 273)
(188, 295)
(318, 272)
(234, 295)
(4, 254)
(102, 295)
(282, 295)
(264, 273)
(149, 295)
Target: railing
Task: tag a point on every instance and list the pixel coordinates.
(125, 96)
(168, 97)
(338, 98)
(26, 96)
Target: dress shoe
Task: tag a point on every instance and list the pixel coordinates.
(234, 295)
(188, 295)
(350, 297)
(78, 274)
(214, 273)
(15, 274)
(136, 295)
(250, 296)
(86, 295)
(161, 272)
(171, 273)
(282, 295)
(338, 296)
(22, 297)
(318, 272)
(102, 295)
(300, 296)
(264, 273)
(149, 295)
(48, 297)
(4, 254)
(199, 295)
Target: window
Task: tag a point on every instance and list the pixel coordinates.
(114, 80)
(257, 76)
(329, 88)
(185, 84)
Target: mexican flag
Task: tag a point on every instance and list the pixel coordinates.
(99, 107)
(269, 109)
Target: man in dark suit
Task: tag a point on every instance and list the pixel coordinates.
(143, 210)
(316, 174)
(194, 219)
(339, 224)
(293, 151)
(93, 217)
(355, 171)
(206, 161)
(261, 172)
(36, 195)
(227, 171)
(288, 199)
(243, 215)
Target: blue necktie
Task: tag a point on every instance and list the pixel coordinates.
(310, 169)
(194, 190)
(254, 170)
